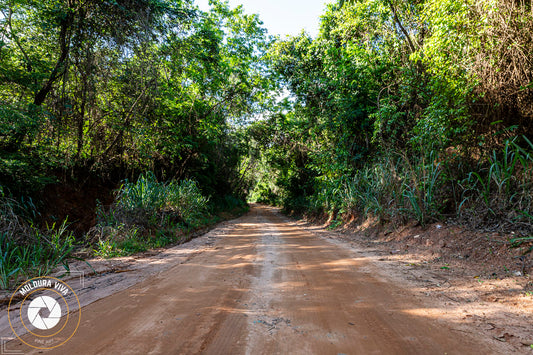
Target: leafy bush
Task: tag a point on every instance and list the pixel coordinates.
(263, 193)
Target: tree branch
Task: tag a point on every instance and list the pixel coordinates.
(16, 40)
(126, 122)
(406, 34)
(59, 69)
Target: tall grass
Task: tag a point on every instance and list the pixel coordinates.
(157, 200)
(26, 251)
(501, 184)
(10, 222)
(36, 256)
(392, 189)
(397, 188)
(148, 213)
(424, 180)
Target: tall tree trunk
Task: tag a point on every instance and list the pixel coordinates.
(60, 67)
(399, 23)
(81, 121)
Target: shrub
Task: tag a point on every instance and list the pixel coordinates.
(148, 213)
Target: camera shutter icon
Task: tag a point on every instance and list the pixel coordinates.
(36, 309)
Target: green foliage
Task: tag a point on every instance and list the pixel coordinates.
(390, 115)
(106, 249)
(392, 189)
(142, 85)
(376, 190)
(231, 204)
(500, 186)
(158, 201)
(10, 222)
(37, 255)
(149, 213)
(421, 190)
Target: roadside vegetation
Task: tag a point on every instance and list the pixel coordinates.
(149, 214)
(117, 125)
(26, 251)
(405, 111)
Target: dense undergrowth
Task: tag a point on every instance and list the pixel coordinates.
(146, 214)
(152, 214)
(496, 190)
(27, 251)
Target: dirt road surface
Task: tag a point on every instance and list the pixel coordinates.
(267, 287)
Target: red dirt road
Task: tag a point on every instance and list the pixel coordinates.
(266, 287)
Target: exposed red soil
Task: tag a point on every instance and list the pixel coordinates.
(77, 202)
(487, 254)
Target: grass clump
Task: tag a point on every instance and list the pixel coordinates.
(37, 254)
(148, 214)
